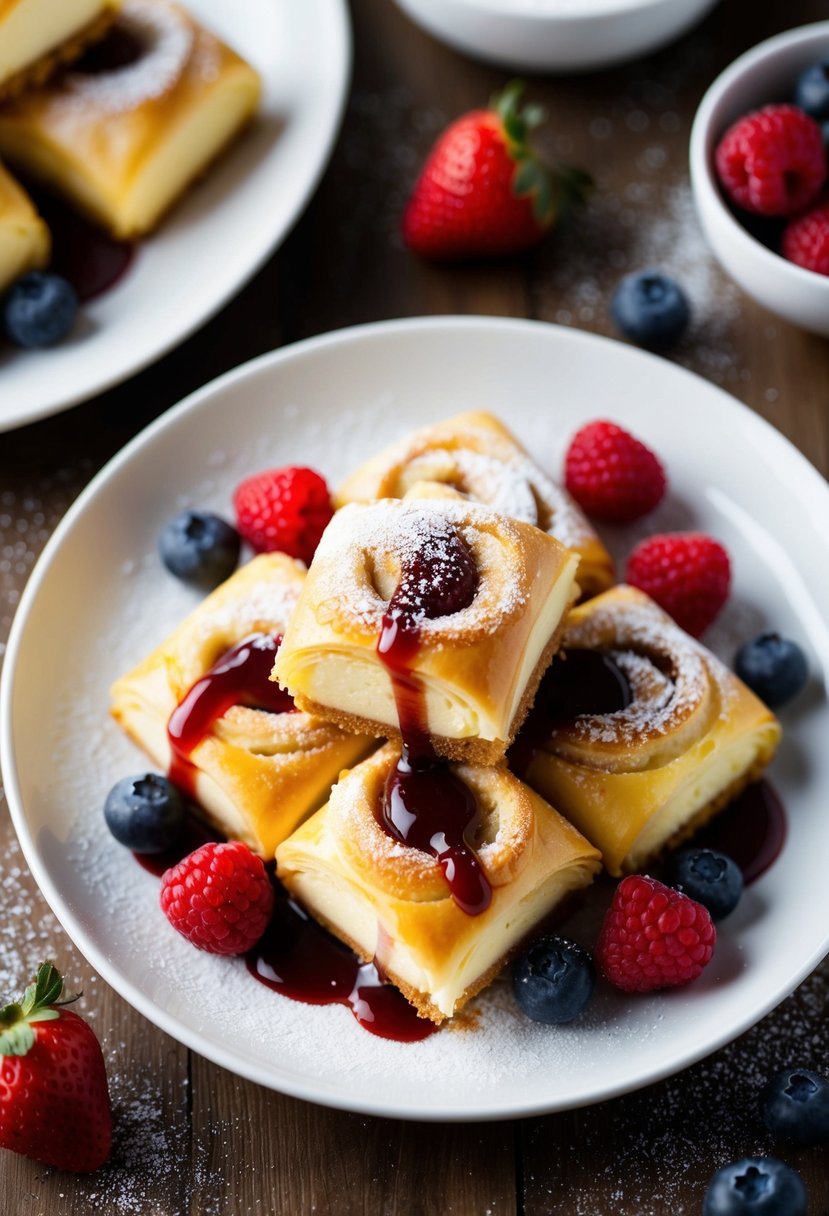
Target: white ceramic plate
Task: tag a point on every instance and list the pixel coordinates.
(225, 228)
(99, 600)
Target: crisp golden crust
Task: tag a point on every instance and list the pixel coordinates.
(477, 456)
(462, 751)
(640, 779)
(257, 774)
(123, 145)
(36, 74)
(382, 896)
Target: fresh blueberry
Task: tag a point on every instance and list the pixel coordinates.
(811, 92)
(39, 309)
(795, 1106)
(711, 878)
(650, 309)
(755, 1186)
(199, 548)
(774, 667)
(554, 980)
(146, 813)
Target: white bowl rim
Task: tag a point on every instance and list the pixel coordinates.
(702, 177)
(535, 10)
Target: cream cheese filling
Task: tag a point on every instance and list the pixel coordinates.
(35, 27)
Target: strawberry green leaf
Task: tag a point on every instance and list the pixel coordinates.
(38, 1005)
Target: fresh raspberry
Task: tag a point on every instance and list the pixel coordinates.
(283, 509)
(806, 239)
(653, 937)
(219, 898)
(612, 475)
(773, 161)
(687, 573)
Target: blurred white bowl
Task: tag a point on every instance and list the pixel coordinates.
(556, 35)
(763, 75)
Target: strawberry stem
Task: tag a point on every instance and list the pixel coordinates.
(38, 1005)
(555, 190)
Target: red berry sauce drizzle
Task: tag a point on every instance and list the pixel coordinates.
(240, 677)
(751, 830)
(425, 806)
(296, 957)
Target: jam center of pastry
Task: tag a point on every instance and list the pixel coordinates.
(586, 682)
(240, 677)
(424, 804)
(439, 578)
(427, 807)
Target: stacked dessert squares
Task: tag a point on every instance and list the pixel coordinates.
(514, 727)
(116, 107)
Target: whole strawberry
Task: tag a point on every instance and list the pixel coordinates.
(653, 937)
(54, 1101)
(483, 192)
(219, 897)
(611, 474)
(687, 573)
(283, 509)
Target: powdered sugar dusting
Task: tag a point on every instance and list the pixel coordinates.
(167, 36)
(667, 671)
(347, 560)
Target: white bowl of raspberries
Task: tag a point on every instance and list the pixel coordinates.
(760, 173)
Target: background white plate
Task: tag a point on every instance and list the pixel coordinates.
(225, 228)
(99, 600)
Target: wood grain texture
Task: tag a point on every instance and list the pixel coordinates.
(190, 1137)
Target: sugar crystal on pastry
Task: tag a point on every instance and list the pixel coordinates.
(391, 902)
(645, 773)
(123, 141)
(256, 766)
(479, 457)
(473, 665)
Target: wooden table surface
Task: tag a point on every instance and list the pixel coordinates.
(191, 1138)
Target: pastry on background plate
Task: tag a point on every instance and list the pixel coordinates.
(478, 456)
(392, 903)
(203, 708)
(124, 132)
(24, 237)
(430, 619)
(36, 36)
(639, 735)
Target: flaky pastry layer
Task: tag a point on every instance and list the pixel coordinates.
(256, 774)
(478, 456)
(642, 779)
(477, 668)
(389, 901)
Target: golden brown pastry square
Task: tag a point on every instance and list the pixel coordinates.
(391, 902)
(256, 774)
(644, 777)
(123, 143)
(474, 670)
(477, 455)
